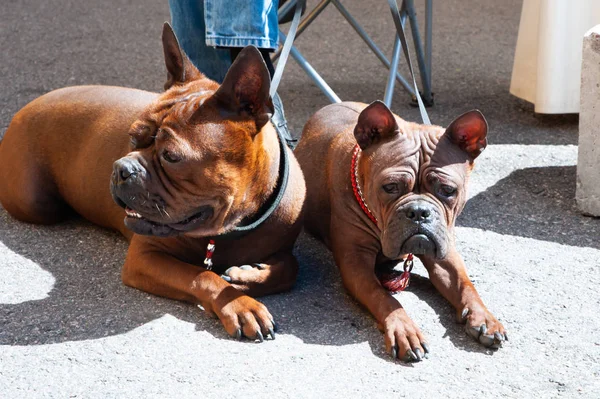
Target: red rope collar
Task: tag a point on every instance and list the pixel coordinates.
(394, 282)
(356, 186)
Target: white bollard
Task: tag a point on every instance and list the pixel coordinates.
(588, 161)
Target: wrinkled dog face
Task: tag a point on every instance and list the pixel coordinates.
(416, 177)
(192, 149)
(168, 187)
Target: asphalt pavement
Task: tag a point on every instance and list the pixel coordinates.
(70, 328)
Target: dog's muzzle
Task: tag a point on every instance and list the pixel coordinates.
(421, 220)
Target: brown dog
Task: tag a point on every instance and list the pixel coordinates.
(198, 162)
(381, 188)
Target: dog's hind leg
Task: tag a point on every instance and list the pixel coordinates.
(35, 201)
(277, 274)
(27, 190)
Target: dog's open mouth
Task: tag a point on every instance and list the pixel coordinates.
(204, 214)
(187, 224)
(139, 224)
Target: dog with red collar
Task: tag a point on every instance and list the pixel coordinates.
(382, 189)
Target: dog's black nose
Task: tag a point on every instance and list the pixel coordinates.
(418, 213)
(124, 169)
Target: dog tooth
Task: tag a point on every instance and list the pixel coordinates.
(132, 213)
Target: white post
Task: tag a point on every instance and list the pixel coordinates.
(588, 162)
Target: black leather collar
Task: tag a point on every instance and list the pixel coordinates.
(275, 198)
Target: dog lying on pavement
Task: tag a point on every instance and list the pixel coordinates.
(195, 178)
(381, 189)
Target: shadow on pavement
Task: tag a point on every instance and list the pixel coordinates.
(446, 313)
(536, 203)
(329, 316)
(88, 300)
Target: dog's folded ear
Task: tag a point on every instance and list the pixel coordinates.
(375, 123)
(469, 132)
(245, 89)
(180, 69)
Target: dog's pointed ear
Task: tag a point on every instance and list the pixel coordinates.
(469, 132)
(375, 123)
(180, 69)
(245, 89)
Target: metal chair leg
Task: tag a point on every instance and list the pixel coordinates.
(313, 74)
(367, 39)
(409, 7)
(428, 36)
(389, 87)
(308, 19)
(423, 54)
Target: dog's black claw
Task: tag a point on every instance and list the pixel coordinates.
(498, 340)
(272, 333)
(486, 340)
(259, 266)
(425, 347)
(275, 326)
(506, 336)
(238, 334)
(419, 354)
(411, 356)
(226, 278)
(474, 331)
(246, 267)
(394, 352)
(464, 315)
(483, 329)
(259, 336)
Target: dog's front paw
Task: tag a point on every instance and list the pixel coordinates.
(403, 339)
(246, 274)
(245, 316)
(483, 326)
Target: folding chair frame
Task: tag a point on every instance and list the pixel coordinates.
(423, 54)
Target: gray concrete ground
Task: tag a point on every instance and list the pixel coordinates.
(69, 328)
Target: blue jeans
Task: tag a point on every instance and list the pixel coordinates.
(203, 25)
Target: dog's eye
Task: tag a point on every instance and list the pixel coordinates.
(447, 191)
(170, 157)
(390, 188)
